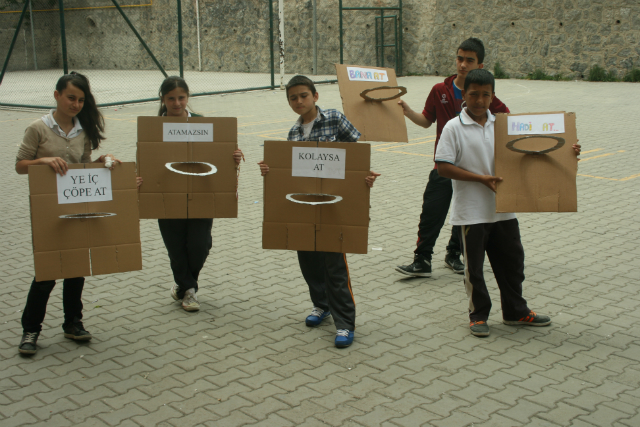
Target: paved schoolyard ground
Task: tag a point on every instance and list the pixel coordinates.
(247, 359)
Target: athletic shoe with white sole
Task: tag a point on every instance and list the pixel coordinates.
(316, 317)
(479, 328)
(421, 267)
(28, 343)
(344, 338)
(190, 301)
(532, 319)
(452, 261)
(175, 290)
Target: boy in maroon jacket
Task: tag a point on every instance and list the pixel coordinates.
(443, 103)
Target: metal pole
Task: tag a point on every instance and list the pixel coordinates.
(63, 38)
(340, 30)
(126, 18)
(315, 38)
(198, 29)
(180, 38)
(400, 41)
(381, 38)
(13, 41)
(281, 40)
(33, 40)
(273, 83)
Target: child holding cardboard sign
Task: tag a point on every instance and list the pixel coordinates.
(188, 240)
(466, 156)
(66, 135)
(443, 103)
(326, 273)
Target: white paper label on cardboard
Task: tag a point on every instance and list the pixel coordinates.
(187, 132)
(84, 185)
(357, 74)
(318, 162)
(535, 124)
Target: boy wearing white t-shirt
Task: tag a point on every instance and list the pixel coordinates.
(465, 154)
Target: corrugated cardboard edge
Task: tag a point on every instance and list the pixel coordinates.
(83, 262)
(547, 204)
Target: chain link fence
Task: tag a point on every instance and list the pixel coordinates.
(126, 47)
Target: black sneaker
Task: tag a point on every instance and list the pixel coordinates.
(28, 343)
(532, 319)
(452, 261)
(479, 328)
(76, 331)
(421, 267)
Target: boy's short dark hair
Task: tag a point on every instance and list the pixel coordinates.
(480, 77)
(474, 45)
(301, 80)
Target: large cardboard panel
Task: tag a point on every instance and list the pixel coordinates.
(339, 227)
(536, 182)
(376, 120)
(66, 248)
(167, 194)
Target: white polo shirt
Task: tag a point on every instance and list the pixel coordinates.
(466, 144)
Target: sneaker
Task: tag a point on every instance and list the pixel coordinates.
(532, 319)
(175, 290)
(190, 301)
(316, 317)
(479, 328)
(344, 338)
(421, 267)
(28, 343)
(76, 331)
(452, 261)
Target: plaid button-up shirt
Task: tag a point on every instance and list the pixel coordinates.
(331, 125)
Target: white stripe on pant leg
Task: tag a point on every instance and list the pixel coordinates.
(467, 282)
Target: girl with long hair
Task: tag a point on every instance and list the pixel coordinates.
(68, 134)
(188, 241)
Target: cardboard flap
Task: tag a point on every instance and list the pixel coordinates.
(536, 182)
(299, 226)
(376, 120)
(62, 246)
(177, 190)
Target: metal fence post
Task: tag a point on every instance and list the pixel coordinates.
(33, 39)
(63, 38)
(281, 40)
(340, 30)
(13, 41)
(315, 38)
(273, 71)
(126, 18)
(399, 52)
(180, 38)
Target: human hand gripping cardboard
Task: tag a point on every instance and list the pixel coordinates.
(109, 161)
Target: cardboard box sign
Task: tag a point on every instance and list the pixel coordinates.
(544, 182)
(299, 168)
(81, 246)
(168, 192)
(376, 120)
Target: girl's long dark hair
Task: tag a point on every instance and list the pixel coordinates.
(90, 118)
(169, 84)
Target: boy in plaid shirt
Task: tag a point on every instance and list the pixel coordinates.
(326, 273)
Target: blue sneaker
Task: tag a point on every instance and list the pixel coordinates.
(344, 338)
(316, 317)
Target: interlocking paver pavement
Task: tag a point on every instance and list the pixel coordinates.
(247, 359)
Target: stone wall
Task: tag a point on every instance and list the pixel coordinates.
(558, 36)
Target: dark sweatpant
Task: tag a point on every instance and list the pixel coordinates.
(327, 275)
(188, 242)
(36, 307)
(435, 206)
(501, 241)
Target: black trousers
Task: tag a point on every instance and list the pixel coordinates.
(501, 242)
(327, 275)
(188, 242)
(435, 206)
(36, 307)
